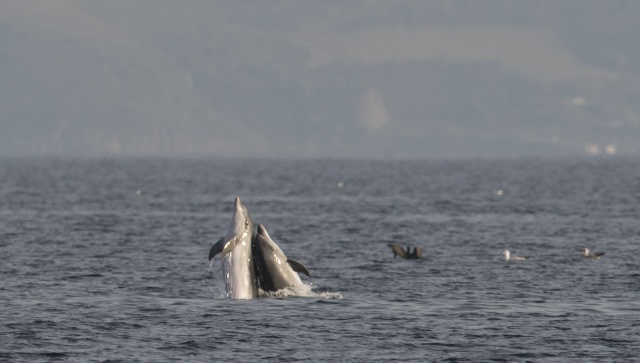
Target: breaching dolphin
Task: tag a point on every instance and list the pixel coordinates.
(237, 259)
(274, 270)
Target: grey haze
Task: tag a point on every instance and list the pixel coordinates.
(319, 79)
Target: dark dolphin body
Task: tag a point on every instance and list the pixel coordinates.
(274, 270)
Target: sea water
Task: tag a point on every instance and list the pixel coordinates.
(106, 260)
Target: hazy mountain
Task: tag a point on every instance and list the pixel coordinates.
(319, 79)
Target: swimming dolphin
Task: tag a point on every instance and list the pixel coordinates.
(408, 254)
(237, 259)
(274, 270)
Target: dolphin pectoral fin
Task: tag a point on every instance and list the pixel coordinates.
(298, 267)
(217, 248)
(222, 247)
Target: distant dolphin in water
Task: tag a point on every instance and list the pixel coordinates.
(587, 254)
(408, 254)
(235, 247)
(274, 270)
(508, 257)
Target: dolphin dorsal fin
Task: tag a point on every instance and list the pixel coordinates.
(298, 267)
(221, 247)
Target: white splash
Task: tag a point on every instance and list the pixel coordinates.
(302, 290)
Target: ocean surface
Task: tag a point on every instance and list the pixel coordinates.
(106, 260)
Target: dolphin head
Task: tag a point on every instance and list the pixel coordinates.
(241, 220)
(241, 217)
(267, 243)
(241, 226)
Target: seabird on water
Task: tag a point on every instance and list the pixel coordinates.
(508, 257)
(408, 254)
(588, 254)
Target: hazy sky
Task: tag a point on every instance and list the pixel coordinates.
(319, 79)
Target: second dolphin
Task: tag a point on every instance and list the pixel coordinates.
(274, 270)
